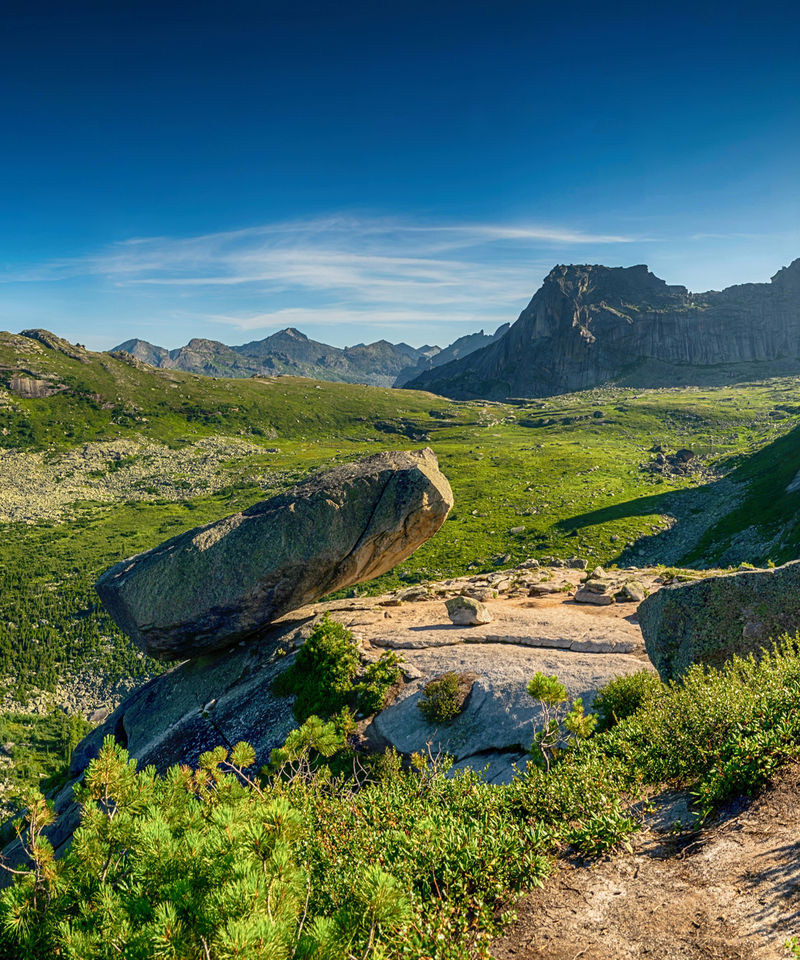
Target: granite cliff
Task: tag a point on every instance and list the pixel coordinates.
(589, 325)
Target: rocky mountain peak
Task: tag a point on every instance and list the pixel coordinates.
(788, 276)
(590, 325)
(592, 282)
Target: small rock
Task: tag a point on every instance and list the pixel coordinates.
(589, 596)
(414, 594)
(529, 564)
(632, 591)
(597, 586)
(575, 563)
(543, 589)
(466, 611)
(479, 593)
(516, 530)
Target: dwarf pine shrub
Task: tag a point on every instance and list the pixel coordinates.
(324, 675)
(440, 701)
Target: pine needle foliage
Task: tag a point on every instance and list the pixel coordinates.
(326, 675)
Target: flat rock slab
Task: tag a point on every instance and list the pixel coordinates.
(711, 620)
(212, 586)
(497, 724)
(549, 623)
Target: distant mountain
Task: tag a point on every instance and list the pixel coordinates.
(592, 325)
(457, 350)
(289, 351)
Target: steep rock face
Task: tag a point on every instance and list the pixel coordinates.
(212, 586)
(589, 325)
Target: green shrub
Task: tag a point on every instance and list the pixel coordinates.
(323, 677)
(622, 696)
(720, 732)
(190, 865)
(557, 719)
(441, 700)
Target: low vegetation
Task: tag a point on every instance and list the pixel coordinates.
(327, 675)
(133, 455)
(442, 699)
(390, 861)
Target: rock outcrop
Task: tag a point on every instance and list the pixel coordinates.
(711, 620)
(226, 695)
(590, 325)
(215, 585)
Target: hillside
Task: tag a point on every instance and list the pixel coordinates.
(104, 456)
(593, 325)
(289, 352)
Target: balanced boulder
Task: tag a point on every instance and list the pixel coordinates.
(212, 586)
(709, 621)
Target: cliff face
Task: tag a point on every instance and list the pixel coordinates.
(589, 325)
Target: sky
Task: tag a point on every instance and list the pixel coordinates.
(399, 170)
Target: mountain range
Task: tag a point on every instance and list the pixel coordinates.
(289, 351)
(590, 325)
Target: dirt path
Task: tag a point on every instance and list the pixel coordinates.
(729, 892)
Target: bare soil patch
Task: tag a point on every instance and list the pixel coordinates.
(730, 891)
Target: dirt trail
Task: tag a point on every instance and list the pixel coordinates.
(729, 892)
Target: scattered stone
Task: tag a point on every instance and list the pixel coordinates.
(632, 591)
(597, 586)
(466, 611)
(414, 594)
(595, 591)
(516, 530)
(479, 593)
(499, 559)
(576, 563)
(543, 589)
(215, 585)
(530, 564)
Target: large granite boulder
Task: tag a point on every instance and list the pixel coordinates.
(214, 585)
(708, 621)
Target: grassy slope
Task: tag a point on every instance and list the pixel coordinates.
(567, 469)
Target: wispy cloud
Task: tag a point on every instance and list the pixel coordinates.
(387, 273)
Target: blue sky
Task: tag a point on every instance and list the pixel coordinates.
(363, 170)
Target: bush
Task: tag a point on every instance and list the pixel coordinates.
(323, 677)
(621, 697)
(442, 699)
(720, 732)
(557, 719)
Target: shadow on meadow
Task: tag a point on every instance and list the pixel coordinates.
(761, 522)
